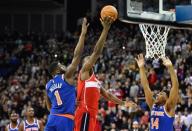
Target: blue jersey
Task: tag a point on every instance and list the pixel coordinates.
(62, 96)
(160, 120)
(31, 127)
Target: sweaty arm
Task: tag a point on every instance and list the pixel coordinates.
(78, 51)
(144, 82)
(174, 92)
(147, 90)
(110, 97)
(97, 49)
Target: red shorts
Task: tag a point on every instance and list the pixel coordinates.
(84, 121)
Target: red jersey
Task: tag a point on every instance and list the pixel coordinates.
(88, 94)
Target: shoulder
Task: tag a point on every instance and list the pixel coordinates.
(86, 74)
(48, 84)
(22, 123)
(39, 123)
(68, 81)
(153, 106)
(169, 111)
(19, 122)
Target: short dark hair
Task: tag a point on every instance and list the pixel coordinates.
(52, 67)
(166, 92)
(12, 112)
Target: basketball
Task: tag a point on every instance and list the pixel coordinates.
(109, 10)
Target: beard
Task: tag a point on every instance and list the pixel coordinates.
(14, 121)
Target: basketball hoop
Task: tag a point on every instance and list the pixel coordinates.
(155, 39)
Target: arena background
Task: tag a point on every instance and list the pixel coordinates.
(35, 32)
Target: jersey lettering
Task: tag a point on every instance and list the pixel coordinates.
(55, 86)
(61, 95)
(32, 129)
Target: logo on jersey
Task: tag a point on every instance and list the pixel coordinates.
(55, 86)
(32, 129)
(157, 113)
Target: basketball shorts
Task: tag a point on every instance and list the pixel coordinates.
(59, 123)
(84, 122)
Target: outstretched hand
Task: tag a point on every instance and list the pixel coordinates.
(106, 22)
(85, 25)
(140, 60)
(167, 62)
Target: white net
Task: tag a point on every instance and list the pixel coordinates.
(155, 39)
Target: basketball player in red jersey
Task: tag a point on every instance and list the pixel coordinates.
(89, 88)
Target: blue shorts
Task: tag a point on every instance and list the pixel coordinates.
(59, 123)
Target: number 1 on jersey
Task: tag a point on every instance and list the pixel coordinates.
(58, 98)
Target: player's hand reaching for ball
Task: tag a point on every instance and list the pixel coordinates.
(85, 25)
(167, 62)
(106, 22)
(140, 60)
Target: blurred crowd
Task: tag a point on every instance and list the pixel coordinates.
(23, 73)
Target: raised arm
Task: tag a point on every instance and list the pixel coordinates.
(110, 97)
(106, 23)
(78, 51)
(174, 93)
(144, 82)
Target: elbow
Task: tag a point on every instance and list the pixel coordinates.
(96, 53)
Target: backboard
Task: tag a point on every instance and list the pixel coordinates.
(173, 13)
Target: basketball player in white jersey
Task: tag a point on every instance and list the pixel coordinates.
(31, 123)
(14, 122)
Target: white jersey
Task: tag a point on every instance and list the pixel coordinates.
(31, 127)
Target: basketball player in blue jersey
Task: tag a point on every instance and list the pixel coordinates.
(61, 92)
(163, 106)
(14, 122)
(31, 123)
